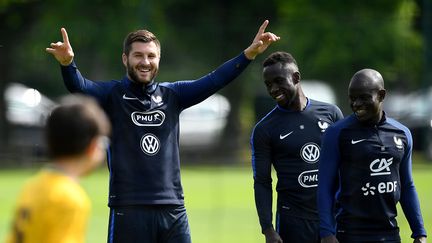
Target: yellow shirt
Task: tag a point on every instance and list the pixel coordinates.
(52, 208)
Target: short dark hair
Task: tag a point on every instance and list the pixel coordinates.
(73, 125)
(279, 57)
(139, 36)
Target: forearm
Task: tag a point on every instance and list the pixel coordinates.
(195, 91)
(73, 79)
(263, 203)
(409, 199)
(76, 83)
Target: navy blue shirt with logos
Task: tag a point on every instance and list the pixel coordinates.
(290, 141)
(365, 170)
(143, 158)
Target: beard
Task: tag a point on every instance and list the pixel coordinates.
(133, 75)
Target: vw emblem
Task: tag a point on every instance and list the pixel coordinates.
(310, 153)
(150, 144)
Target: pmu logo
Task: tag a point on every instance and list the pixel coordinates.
(150, 144)
(148, 119)
(308, 178)
(310, 153)
(380, 167)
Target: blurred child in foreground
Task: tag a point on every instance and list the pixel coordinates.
(52, 207)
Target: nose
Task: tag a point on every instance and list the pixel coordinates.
(273, 88)
(356, 103)
(145, 61)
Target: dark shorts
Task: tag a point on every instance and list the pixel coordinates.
(297, 230)
(383, 239)
(153, 224)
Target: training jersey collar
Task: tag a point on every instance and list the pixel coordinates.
(289, 110)
(139, 87)
(381, 122)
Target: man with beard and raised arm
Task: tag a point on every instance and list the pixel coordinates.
(365, 170)
(145, 195)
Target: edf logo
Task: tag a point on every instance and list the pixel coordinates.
(381, 188)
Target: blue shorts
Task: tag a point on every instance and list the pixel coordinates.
(158, 224)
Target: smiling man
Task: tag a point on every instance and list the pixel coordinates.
(365, 170)
(288, 138)
(145, 195)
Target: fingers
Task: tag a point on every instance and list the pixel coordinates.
(57, 44)
(49, 50)
(65, 36)
(262, 27)
(54, 47)
(269, 37)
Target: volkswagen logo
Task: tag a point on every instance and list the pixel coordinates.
(310, 153)
(150, 144)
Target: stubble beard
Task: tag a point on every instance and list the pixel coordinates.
(134, 77)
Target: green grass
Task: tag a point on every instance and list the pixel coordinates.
(219, 201)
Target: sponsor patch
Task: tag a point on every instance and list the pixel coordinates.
(148, 119)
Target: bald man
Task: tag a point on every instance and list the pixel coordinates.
(365, 170)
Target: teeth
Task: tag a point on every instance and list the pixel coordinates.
(144, 70)
(279, 97)
(360, 112)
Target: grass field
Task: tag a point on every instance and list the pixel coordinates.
(219, 201)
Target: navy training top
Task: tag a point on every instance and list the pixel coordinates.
(143, 158)
(365, 170)
(290, 141)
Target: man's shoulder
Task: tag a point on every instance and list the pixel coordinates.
(327, 109)
(323, 105)
(343, 123)
(398, 125)
(268, 118)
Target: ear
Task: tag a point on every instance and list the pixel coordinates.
(381, 94)
(93, 156)
(296, 77)
(124, 59)
(92, 147)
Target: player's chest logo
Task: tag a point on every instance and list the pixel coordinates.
(283, 136)
(157, 99)
(310, 153)
(148, 119)
(323, 125)
(381, 167)
(150, 144)
(398, 142)
(308, 178)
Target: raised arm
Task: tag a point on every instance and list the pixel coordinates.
(194, 91)
(73, 80)
(62, 51)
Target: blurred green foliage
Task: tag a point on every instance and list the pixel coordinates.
(330, 39)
